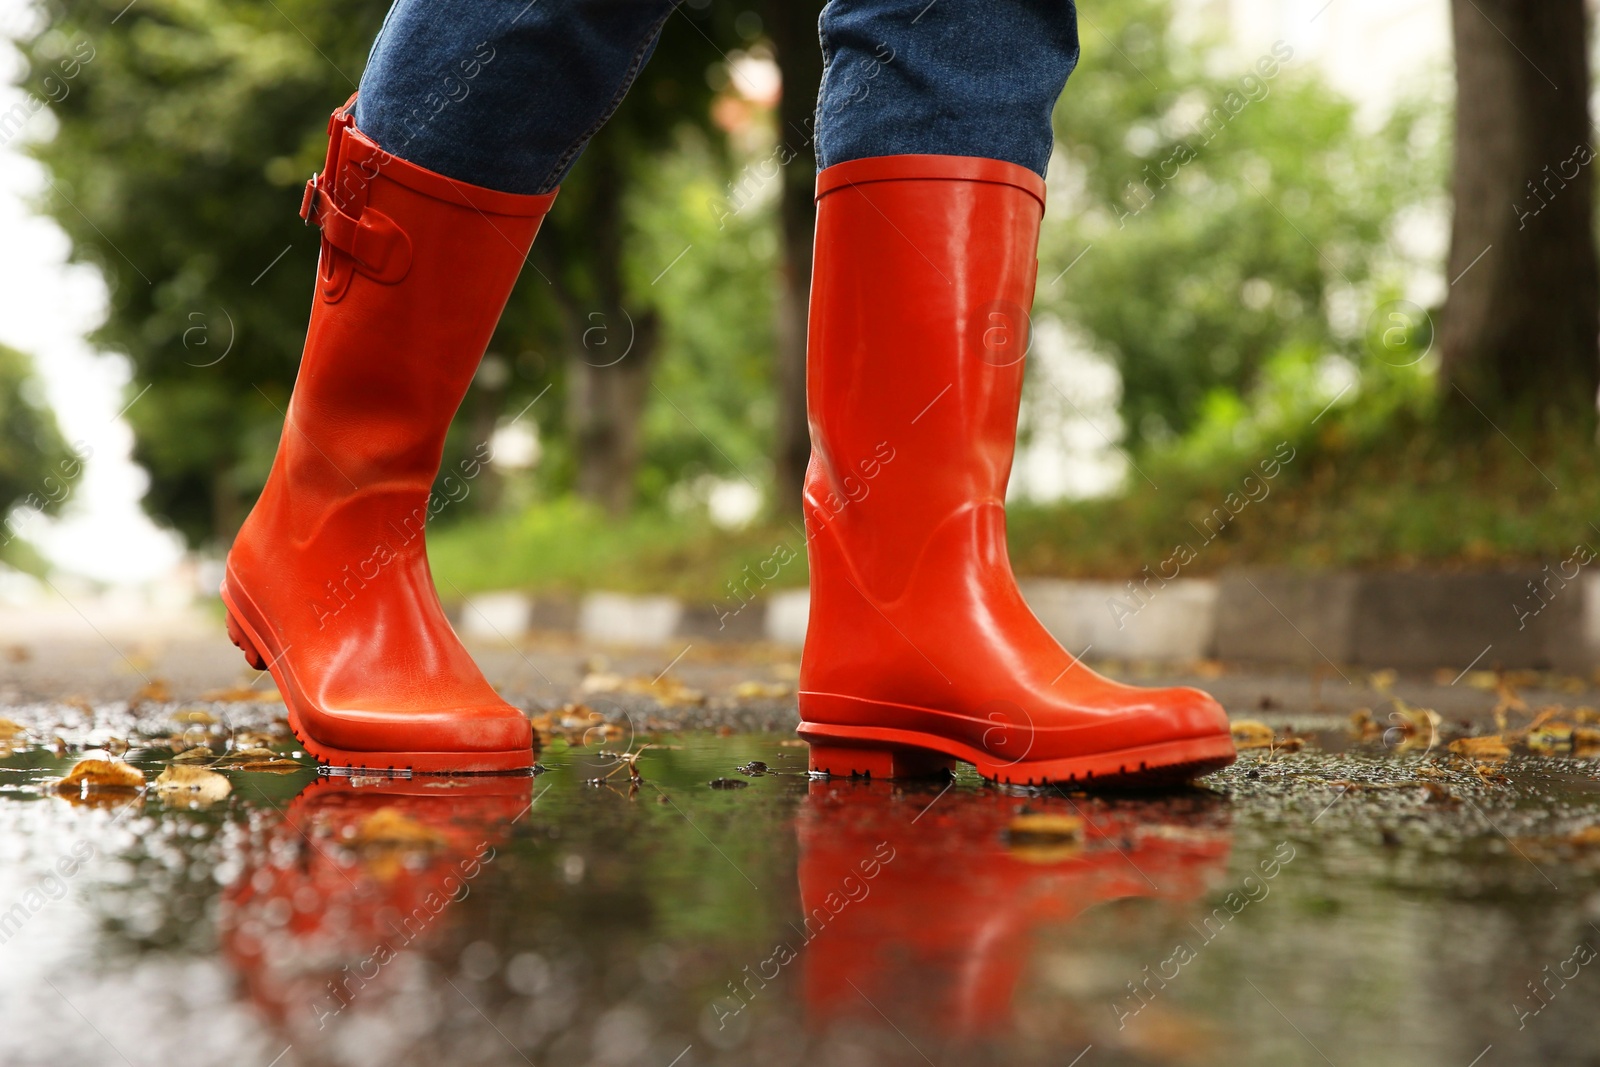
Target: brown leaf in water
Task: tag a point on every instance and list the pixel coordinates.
(245, 755)
(257, 759)
(1248, 734)
(1492, 746)
(391, 828)
(1489, 773)
(100, 775)
(1585, 741)
(194, 717)
(156, 690)
(195, 784)
(1553, 736)
(1419, 727)
(1363, 726)
(276, 765)
(9, 729)
(1044, 827)
(388, 841)
(1044, 837)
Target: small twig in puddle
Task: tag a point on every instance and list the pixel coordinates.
(628, 760)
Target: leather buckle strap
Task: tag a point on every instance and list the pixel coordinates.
(380, 248)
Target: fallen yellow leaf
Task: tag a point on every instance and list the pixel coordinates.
(1044, 837)
(1550, 737)
(1491, 747)
(1419, 727)
(195, 784)
(1045, 825)
(1248, 734)
(1363, 726)
(391, 828)
(257, 759)
(99, 774)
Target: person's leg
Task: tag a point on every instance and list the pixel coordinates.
(502, 94)
(933, 129)
(948, 78)
(468, 116)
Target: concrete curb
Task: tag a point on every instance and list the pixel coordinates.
(1514, 619)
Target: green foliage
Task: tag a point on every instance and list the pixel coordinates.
(605, 241)
(1228, 218)
(37, 469)
(1371, 483)
(182, 147)
(712, 408)
(566, 546)
(185, 134)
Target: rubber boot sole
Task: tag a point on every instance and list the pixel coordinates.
(263, 656)
(885, 752)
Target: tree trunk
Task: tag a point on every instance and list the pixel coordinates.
(612, 348)
(1518, 337)
(606, 401)
(792, 25)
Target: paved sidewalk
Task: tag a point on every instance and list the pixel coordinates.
(708, 684)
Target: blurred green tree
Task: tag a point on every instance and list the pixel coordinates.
(185, 133)
(1201, 223)
(37, 469)
(594, 293)
(182, 144)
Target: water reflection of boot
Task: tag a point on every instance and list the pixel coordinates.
(923, 911)
(328, 901)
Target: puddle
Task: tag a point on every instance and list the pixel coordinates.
(1338, 904)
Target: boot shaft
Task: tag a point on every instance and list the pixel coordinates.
(415, 269)
(919, 325)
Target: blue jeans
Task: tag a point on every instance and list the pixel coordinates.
(507, 94)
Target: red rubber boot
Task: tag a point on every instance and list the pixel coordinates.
(327, 585)
(920, 649)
